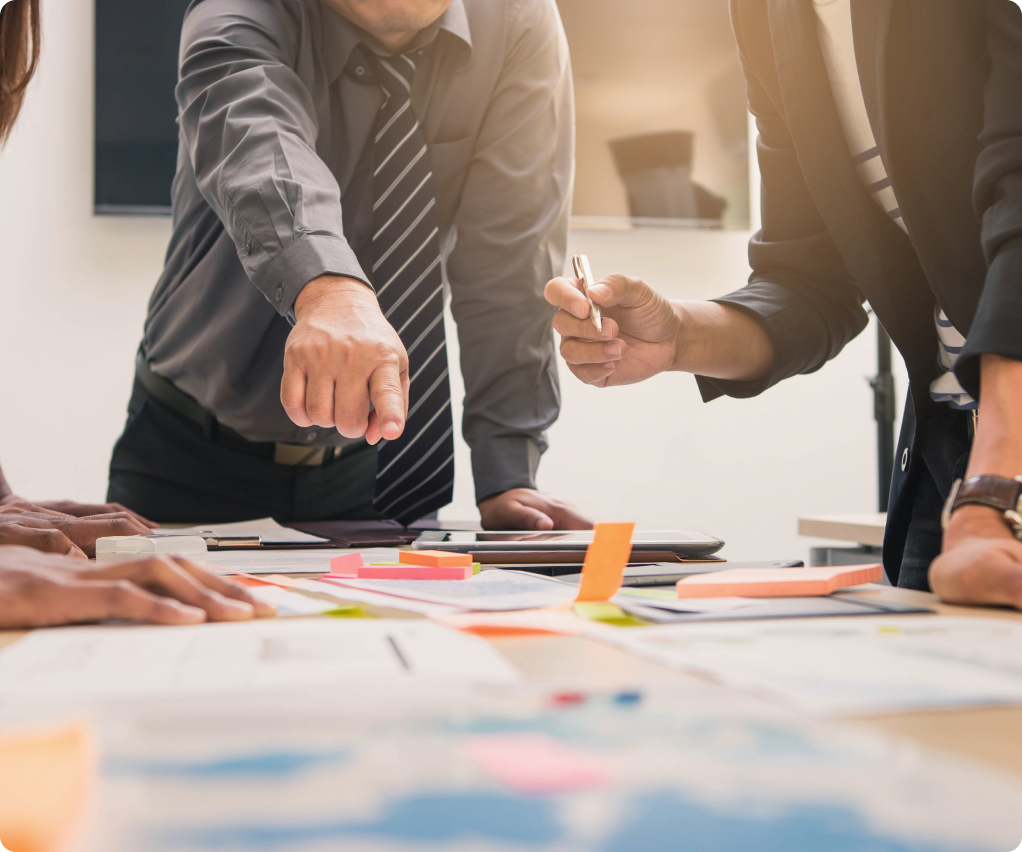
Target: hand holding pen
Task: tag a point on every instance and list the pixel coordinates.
(614, 331)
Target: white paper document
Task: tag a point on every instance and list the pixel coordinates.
(490, 591)
(346, 594)
(270, 531)
(313, 561)
(847, 666)
(305, 561)
(100, 662)
(289, 603)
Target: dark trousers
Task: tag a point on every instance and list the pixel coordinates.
(173, 470)
(931, 456)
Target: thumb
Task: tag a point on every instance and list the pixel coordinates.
(388, 394)
(616, 289)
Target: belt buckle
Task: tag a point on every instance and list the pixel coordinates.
(297, 455)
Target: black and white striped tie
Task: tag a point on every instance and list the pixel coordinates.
(415, 474)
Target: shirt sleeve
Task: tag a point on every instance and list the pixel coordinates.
(800, 291)
(250, 130)
(506, 251)
(997, 326)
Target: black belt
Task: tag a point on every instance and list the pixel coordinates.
(169, 395)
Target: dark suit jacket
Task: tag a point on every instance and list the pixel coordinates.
(942, 81)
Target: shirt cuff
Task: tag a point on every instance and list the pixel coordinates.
(795, 330)
(995, 329)
(306, 259)
(502, 463)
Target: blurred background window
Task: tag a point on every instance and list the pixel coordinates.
(662, 115)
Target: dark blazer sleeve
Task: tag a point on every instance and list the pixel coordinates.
(800, 290)
(997, 327)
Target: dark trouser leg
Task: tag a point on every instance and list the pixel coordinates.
(165, 467)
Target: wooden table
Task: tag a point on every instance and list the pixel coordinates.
(991, 736)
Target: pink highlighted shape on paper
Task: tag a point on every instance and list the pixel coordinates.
(536, 763)
(413, 572)
(345, 566)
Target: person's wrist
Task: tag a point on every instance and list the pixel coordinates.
(325, 289)
(683, 337)
(974, 521)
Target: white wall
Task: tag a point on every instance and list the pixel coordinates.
(73, 289)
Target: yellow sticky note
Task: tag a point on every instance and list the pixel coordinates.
(606, 613)
(44, 782)
(606, 558)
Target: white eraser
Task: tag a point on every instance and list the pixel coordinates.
(113, 548)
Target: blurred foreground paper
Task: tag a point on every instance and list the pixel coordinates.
(45, 778)
(210, 658)
(847, 666)
(433, 769)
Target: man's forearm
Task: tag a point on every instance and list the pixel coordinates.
(721, 342)
(997, 448)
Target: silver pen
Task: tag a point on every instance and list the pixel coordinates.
(580, 263)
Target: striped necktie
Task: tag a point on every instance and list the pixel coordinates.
(415, 473)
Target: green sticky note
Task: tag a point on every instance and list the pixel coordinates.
(606, 613)
(347, 612)
(477, 567)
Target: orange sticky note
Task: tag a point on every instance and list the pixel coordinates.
(435, 558)
(777, 582)
(606, 558)
(45, 778)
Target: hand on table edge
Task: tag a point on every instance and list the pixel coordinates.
(39, 590)
(981, 560)
(529, 509)
(82, 532)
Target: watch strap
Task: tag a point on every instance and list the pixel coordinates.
(995, 492)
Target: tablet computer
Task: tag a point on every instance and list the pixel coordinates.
(682, 543)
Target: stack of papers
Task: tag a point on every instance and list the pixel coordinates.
(490, 591)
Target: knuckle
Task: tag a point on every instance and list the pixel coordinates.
(121, 592)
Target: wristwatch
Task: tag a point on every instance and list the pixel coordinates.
(995, 492)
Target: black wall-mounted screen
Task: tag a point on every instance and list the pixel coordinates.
(136, 131)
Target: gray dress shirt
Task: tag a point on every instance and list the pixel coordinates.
(273, 189)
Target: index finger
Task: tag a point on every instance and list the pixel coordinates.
(564, 293)
(388, 392)
(142, 519)
(225, 587)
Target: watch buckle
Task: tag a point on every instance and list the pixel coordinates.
(949, 504)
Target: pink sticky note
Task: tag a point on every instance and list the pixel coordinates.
(536, 763)
(346, 565)
(412, 572)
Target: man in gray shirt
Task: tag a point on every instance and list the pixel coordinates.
(336, 158)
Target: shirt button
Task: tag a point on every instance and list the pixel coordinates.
(360, 70)
(279, 294)
(904, 460)
(311, 436)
